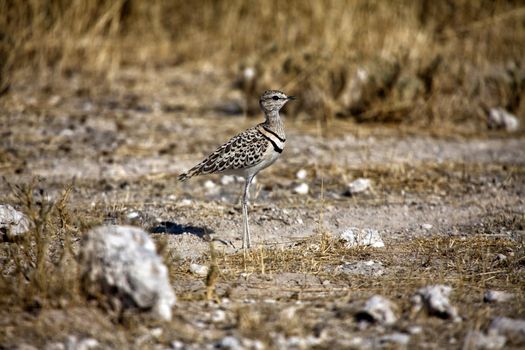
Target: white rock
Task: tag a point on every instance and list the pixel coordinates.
(177, 345)
(249, 73)
(301, 174)
(186, 202)
(497, 296)
(301, 188)
(378, 309)
(511, 328)
(435, 299)
(415, 330)
(218, 316)
(121, 262)
(230, 343)
(133, 215)
(199, 270)
(13, 223)
(394, 338)
(480, 340)
(359, 185)
(426, 227)
(362, 237)
(227, 179)
(209, 184)
(501, 119)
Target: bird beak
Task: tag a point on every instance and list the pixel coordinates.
(291, 97)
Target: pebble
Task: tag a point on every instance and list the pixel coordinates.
(229, 342)
(209, 184)
(377, 309)
(199, 270)
(301, 174)
(227, 179)
(499, 118)
(359, 185)
(497, 296)
(426, 226)
(301, 188)
(218, 316)
(395, 338)
(435, 299)
(362, 237)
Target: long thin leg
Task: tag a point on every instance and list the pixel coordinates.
(245, 227)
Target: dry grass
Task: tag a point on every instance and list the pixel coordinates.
(432, 65)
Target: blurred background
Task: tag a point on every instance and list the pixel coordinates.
(447, 66)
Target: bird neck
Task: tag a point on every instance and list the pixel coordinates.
(274, 123)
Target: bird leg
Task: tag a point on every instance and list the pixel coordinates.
(245, 227)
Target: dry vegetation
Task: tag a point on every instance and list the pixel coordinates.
(97, 99)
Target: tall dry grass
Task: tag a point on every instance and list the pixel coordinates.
(438, 59)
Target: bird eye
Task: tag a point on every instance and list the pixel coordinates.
(275, 98)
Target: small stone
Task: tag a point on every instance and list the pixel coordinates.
(499, 118)
(248, 73)
(497, 296)
(230, 343)
(362, 237)
(301, 174)
(227, 179)
(209, 184)
(359, 185)
(218, 316)
(435, 299)
(426, 227)
(301, 188)
(177, 345)
(394, 338)
(186, 202)
(199, 270)
(480, 340)
(513, 329)
(13, 223)
(133, 215)
(415, 330)
(500, 257)
(156, 332)
(377, 309)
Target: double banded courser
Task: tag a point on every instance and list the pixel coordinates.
(249, 152)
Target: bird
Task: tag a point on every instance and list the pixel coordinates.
(249, 152)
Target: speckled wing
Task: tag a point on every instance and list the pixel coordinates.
(242, 151)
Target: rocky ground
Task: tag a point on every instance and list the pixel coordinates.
(449, 211)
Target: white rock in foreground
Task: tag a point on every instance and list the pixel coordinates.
(12, 222)
(362, 237)
(435, 299)
(121, 262)
(359, 185)
(378, 309)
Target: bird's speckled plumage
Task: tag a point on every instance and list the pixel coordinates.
(241, 151)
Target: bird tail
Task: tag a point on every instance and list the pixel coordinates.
(189, 174)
